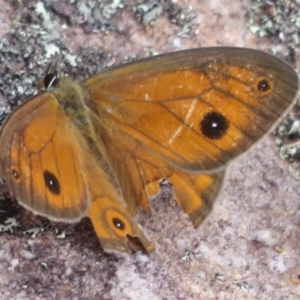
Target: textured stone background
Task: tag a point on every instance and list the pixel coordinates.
(232, 256)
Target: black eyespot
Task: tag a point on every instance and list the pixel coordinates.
(263, 85)
(15, 174)
(214, 125)
(52, 183)
(118, 223)
(50, 80)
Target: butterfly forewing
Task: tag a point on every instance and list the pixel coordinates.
(199, 108)
(40, 160)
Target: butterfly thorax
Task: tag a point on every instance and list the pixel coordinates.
(74, 98)
(71, 97)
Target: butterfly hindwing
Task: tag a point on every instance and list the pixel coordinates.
(140, 171)
(111, 216)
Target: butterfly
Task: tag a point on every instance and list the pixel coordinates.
(101, 148)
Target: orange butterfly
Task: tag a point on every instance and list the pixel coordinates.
(101, 148)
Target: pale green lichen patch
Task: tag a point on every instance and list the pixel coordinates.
(279, 20)
(9, 225)
(33, 232)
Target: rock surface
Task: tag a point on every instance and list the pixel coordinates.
(231, 256)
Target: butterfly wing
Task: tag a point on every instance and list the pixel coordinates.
(112, 220)
(181, 115)
(39, 159)
(196, 109)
